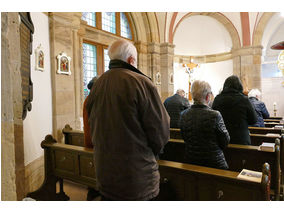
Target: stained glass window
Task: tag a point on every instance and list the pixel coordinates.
(90, 18)
(124, 27)
(106, 59)
(108, 22)
(89, 65)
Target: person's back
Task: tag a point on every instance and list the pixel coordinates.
(236, 110)
(259, 107)
(129, 127)
(204, 133)
(174, 106)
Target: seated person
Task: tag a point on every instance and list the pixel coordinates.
(260, 108)
(203, 130)
(175, 105)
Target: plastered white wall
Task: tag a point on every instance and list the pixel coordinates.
(38, 122)
(191, 39)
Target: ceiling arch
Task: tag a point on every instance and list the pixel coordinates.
(236, 43)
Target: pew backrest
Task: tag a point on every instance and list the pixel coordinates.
(264, 130)
(73, 137)
(190, 182)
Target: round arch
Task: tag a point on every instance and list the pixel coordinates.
(220, 18)
(259, 30)
(145, 26)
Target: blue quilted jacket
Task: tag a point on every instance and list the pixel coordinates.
(260, 110)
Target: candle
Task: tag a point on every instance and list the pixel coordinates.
(274, 105)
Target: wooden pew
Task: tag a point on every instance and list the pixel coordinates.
(271, 124)
(187, 182)
(272, 120)
(265, 130)
(190, 182)
(73, 137)
(276, 118)
(238, 157)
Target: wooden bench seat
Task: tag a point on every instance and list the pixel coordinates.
(238, 157)
(265, 130)
(187, 182)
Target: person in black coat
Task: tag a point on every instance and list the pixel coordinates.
(203, 130)
(260, 108)
(236, 110)
(175, 105)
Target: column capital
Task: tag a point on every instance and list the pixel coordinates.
(248, 50)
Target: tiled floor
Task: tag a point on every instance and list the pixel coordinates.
(76, 192)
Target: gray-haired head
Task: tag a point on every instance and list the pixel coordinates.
(254, 93)
(180, 92)
(200, 90)
(123, 50)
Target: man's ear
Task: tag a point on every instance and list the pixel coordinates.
(130, 60)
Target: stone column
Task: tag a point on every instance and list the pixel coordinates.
(142, 57)
(12, 146)
(77, 68)
(167, 69)
(154, 64)
(62, 26)
(247, 65)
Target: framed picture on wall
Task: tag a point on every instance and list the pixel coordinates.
(39, 58)
(158, 78)
(64, 64)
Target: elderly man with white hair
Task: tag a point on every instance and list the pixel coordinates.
(203, 130)
(260, 108)
(129, 127)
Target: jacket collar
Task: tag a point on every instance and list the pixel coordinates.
(116, 63)
(199, 105)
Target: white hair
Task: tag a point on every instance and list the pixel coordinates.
(122, 50)
(199, 91)
(180, 92)
(254, 93)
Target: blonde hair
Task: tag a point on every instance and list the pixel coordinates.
(199, 91)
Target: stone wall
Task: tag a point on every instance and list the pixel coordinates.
(12, 151)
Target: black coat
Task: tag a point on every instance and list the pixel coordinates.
(260, 110)
(205, 136)
(237, 113)
(174, 106)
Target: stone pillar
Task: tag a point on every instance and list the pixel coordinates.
(12, 146)
(167, 69)
(142, 57)
(247, 65)
(154, 64)
(62, 26)
(77, 68)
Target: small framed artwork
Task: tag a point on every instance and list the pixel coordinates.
(63, 62)
(158, 78)
(39, 57)
(171, 78)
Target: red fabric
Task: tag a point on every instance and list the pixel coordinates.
(87, 134)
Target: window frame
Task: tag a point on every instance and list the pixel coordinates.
(117, 25)
(100, 55)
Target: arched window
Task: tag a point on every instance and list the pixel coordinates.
(95, 55)
(108, 22)
(113, 22)
(90, 18)
(125, 30)
(89, 65)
